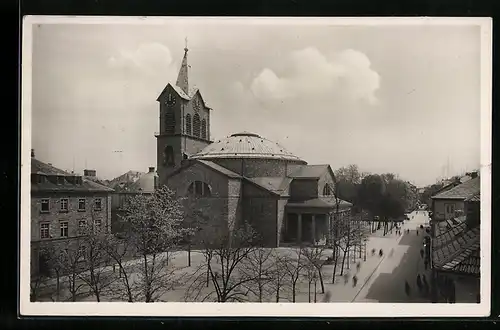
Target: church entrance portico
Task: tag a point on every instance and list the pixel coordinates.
(306, 228)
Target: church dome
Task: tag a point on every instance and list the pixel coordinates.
(245, 145)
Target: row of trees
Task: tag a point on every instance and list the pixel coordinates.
(139, 265)
(384, 196)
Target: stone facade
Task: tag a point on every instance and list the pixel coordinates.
(252, 168)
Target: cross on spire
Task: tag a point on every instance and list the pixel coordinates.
(182, 78)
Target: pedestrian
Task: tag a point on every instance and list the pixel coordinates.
(422, 253)
(407, 288)
(346, 278)
(354, 281)
(380, 253)
(417, 232)
(373, 251)
(327, 296)
(419, 283)
(358, 266)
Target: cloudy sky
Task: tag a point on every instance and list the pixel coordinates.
(401, 99)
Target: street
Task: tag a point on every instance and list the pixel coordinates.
(388, 282)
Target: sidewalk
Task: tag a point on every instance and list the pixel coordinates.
(347, 293)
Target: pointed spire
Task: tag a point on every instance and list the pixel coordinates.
(182, 78)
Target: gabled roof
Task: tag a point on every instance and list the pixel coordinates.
(462, 191)
(457, 250)
(220, 169)
(125, 182)
(321, 202)
(278, 185)
(474, 198)
(308, 171)
(40, 167)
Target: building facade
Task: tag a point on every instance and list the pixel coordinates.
(62, 204)
(243, 178)
(455, 244)
(127, 186)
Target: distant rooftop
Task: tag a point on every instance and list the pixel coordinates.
(462, 191)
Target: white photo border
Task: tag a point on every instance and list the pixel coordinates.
(171, 309)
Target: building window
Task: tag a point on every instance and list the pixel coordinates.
(44, 230)
(45, 207)
(97, 204)
(81, 204)
(64, 229)
(188, 124)
(97, 225)
(196, 125)
(204, 129)
(64, 205)
(82, 224)
(170, 121)
(82, 253)
(199, 189)
(327, 190)
(169, 156)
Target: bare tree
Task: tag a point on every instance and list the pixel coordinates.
(96, 275)
(225, 250)
(155, 229)
(72, 256)
(315, 258)
(119, 251)
(259, 267)
(280, 283)
(293, 264)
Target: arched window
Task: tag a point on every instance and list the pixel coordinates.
(327, 190)
(169, 156)
(196, 125)
(188, 124)
(199, 189)
(170, 121)
(204, 129)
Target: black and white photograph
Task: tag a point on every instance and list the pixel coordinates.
(255, 166)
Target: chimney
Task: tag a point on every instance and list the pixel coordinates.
(91, 173)
(151, 169)
(32, 153)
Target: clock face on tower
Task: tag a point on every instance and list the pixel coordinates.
(170, 100)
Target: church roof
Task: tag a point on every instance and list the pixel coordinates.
(278, 185)
(307, 171)
(245, 145)
(320, 202)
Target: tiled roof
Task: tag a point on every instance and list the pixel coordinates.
(245, 145)
(307, 171)
(69, 185)
(47, 169)
(475, 198)
(455, 249)
(462, 191)
(278, 185)
(319, 203)
(220, 169)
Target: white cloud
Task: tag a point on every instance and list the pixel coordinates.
(309, 73)
(150, 58)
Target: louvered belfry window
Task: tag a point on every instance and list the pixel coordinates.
(188, 124)
(170, 121)
(204, 129)
(196, 125)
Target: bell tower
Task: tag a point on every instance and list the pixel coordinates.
(184, 123)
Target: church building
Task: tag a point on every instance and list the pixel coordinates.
(243, 177)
